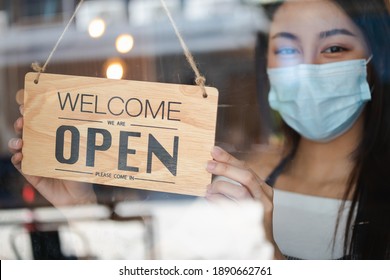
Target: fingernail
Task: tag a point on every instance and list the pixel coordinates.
(216, 151)
(16, 142)
(211, 165)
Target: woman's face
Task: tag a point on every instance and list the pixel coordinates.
(313, 32)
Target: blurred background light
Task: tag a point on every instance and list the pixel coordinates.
(115, 70)
(124, 43)
(96, 28)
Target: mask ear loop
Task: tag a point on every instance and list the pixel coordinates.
(369, 59)
(367, 62)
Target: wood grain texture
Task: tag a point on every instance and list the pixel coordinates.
(119, 133)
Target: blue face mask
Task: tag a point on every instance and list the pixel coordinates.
(320, 102)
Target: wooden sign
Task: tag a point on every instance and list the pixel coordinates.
(132, 134)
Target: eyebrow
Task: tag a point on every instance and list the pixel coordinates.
(333, 32)
(286, 35)
(323, 35)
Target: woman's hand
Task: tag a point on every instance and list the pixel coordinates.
(242, 184)
(58, 192)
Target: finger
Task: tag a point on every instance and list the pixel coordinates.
(268, 190)
(245, 177)
(233, 191)
(20, 96)
(221, 155)
(16, 160)
(18, 125)
(15, 145)
(217, 198)
(21, 110)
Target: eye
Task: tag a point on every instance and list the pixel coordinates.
(286, 51)
(334, 49)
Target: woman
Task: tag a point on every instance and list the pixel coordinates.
(334, 172)
(337, 162)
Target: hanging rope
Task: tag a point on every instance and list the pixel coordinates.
(35, 66)
(199, 79)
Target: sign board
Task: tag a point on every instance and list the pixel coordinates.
(133, 134)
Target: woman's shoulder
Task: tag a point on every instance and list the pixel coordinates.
(264, 158)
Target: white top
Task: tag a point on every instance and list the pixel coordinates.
(304, 225)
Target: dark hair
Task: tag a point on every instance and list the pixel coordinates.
(369, 182)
